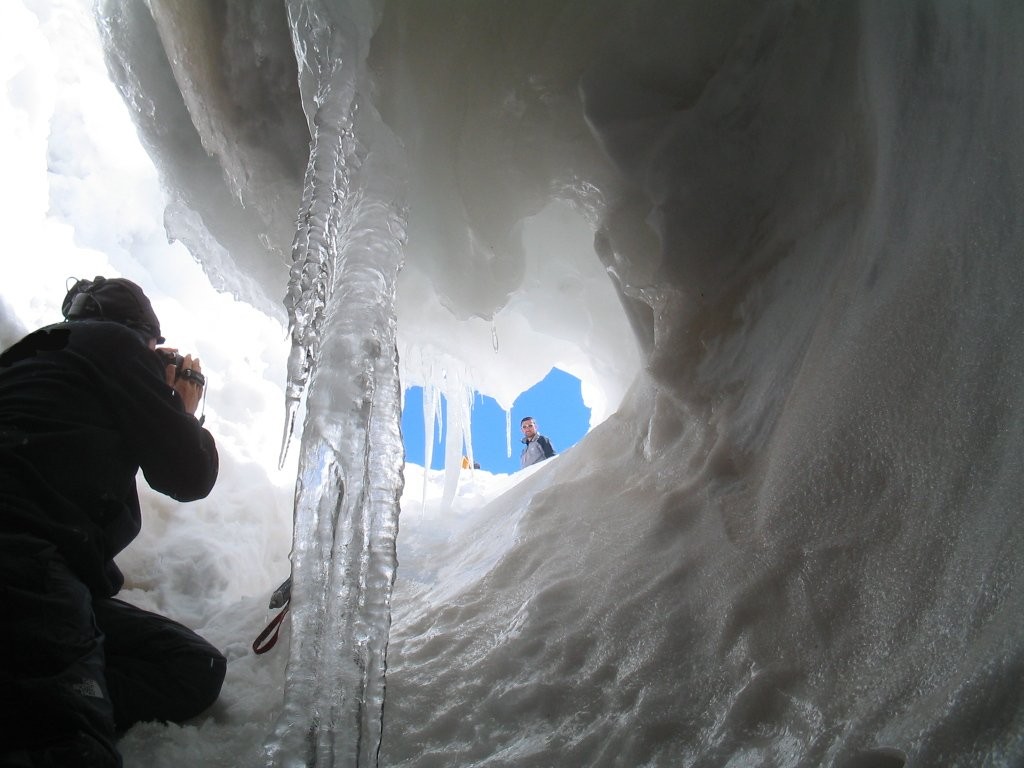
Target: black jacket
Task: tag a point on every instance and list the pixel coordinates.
(84, 405)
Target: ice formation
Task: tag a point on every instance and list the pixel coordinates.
(340, 301)
(780, 244)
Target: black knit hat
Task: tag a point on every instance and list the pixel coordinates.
(115, 299)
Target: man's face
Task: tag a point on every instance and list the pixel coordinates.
(529, 430)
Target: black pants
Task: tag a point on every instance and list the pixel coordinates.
(75, 671)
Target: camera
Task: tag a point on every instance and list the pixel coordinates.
(170, 357)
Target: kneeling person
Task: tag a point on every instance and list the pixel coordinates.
(84, 404)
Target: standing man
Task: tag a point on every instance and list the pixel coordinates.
(537, 446)
(84, 404)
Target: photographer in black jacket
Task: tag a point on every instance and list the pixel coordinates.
(84, 404)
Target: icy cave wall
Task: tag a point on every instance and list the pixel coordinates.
(810, 213)
(508, 182)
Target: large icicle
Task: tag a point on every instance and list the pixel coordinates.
(346, 255)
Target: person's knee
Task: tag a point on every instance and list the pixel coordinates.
(208, 680)
(179, 689)
(157, 669)
(199, 669)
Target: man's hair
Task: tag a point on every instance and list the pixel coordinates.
(115, 299)
(525, 419)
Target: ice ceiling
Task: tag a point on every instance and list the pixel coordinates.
(508, 186)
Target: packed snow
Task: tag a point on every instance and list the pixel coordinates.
(778, 242)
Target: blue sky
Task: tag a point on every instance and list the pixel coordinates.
(555, 403)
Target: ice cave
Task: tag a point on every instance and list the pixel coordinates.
(779, 241)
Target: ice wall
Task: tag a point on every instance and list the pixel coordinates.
(796, 542)
(213, 90)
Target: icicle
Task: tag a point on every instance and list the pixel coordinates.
(346, 255)
(297, 374)
(459, 403)
(470, 403)
(431, 417)
(436, 401)
(508, 432)
(452, 453)
(433, 421)
(494, 336)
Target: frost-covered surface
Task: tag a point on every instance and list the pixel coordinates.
(795, 541)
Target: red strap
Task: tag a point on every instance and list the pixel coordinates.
(271, 632)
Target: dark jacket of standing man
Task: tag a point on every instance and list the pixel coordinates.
(536, 447)
(84, 404)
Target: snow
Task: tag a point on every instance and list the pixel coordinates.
(778, 242)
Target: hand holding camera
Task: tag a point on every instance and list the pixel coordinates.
(184, 374)
(184, 367)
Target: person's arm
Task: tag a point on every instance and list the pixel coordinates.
(177, 455)
(546, 446)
